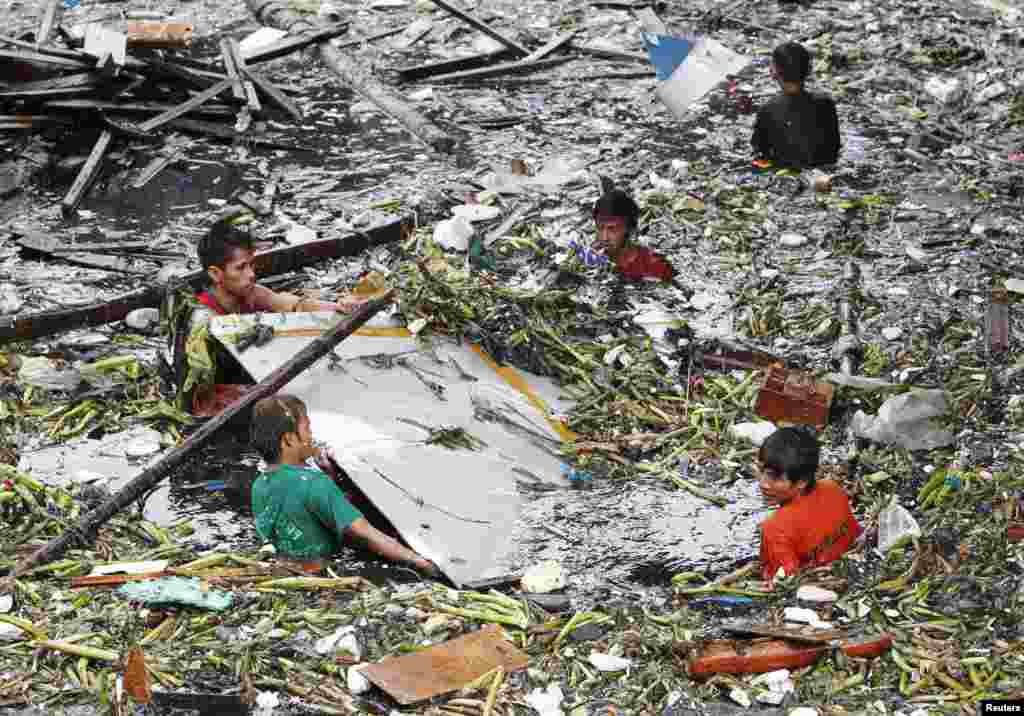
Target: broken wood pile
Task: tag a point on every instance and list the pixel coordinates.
(110, 87)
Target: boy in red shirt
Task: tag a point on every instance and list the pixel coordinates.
(814, 524)
(617, 216)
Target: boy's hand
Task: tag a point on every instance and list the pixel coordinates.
(427, 567)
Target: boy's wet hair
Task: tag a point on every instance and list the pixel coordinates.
(221, 242)
(616, 202)
(283, 405)
(267, 433)
(794, 454)
(793, 61)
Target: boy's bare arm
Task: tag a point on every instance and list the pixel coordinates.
(281, 302)
(387, 547)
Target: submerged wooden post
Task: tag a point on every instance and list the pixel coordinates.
(150, 477)
(278, 14)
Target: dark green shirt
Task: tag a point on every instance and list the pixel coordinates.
(301, 512)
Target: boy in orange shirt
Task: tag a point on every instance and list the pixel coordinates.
(814, 524)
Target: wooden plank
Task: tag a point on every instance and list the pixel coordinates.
(553, 44)
(185, 107)
(610, 54)
(154, 167)
(87, 174)
(28, 121)
(445, 667)
(249, 87)
(276, 96)
(650, 21)
(509, 68)
(48, 23)
(67, 54)
(80, 83)
(445, 67)
(231, 68)
(113, 580)
(45, 58)
(49, 245)
(269, 263)
(288, 45)
(482, 27)
(212, 110)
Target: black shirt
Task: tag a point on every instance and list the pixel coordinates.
(798, 130)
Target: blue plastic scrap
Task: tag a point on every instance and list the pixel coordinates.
(183, 591)
(667, 52)
(724, 601)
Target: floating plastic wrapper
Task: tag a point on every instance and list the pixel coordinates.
(177, 590)
(894, 525)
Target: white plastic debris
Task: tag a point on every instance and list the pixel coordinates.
(41, 373)
(793, 240)
(918, 254)
(355, 679)
(756, 433)
(100, 40)
(991, 92)
(775, 685)
(946, 91)
(703, 300)
(607, 662)
(476, 212)
(891, 333)
(143, 319)
(344, 639)
(544, 577)
(258, 40)
(266, 702)
(10, 301)
(453, 233)
(741, 697)
(9, 632)
(546, 702)
(803, 711)
(618, 353)
(906, 420)
(1014, 285)
(708, 63)
(800, 615)
(6, 603)
(810, 593)
(894, 525)
(299, 234)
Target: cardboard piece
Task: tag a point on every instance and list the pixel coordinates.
(445, 667)
(707, 63)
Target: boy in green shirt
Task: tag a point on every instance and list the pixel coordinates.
(300, 510)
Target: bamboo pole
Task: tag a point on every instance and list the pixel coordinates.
(278, 14)
(148, 478)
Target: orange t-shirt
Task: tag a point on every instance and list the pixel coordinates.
(811, 530)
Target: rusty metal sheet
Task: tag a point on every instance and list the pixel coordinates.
(445, 667)
(794, 397)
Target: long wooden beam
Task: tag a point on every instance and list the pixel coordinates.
(87, 174)
(185, 107)
(354, 74)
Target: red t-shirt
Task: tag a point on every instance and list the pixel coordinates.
(811, 530)
(206, 298)
(637, 262)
